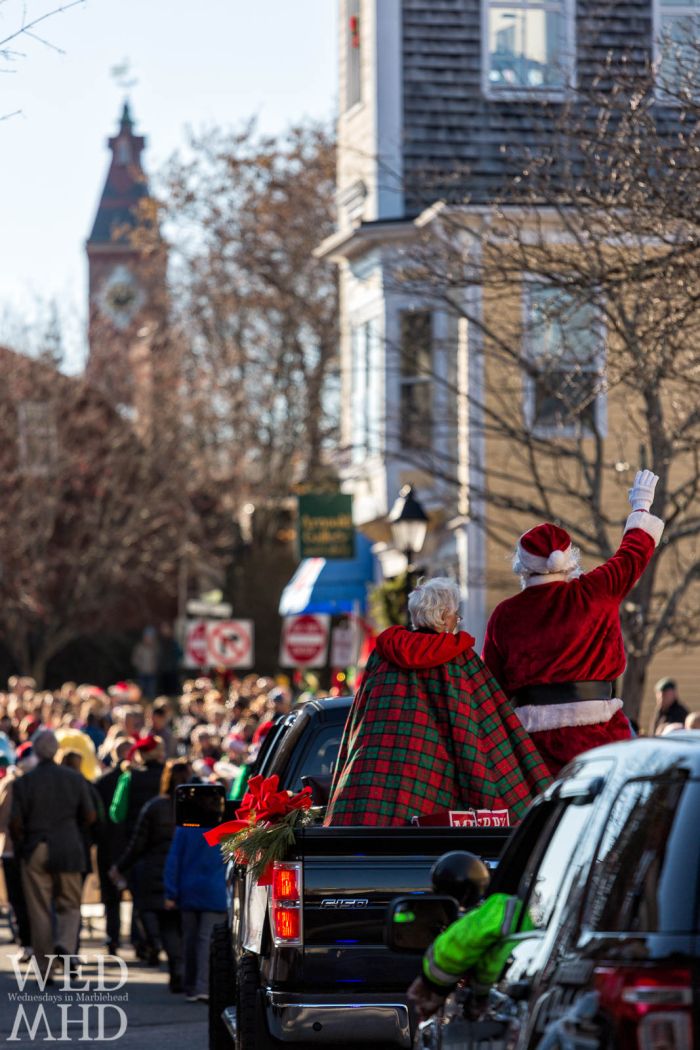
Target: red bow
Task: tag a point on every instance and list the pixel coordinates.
(261, 804)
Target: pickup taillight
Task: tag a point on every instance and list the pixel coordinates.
(285, 904)
(651, 1009)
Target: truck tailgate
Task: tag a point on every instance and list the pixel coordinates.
(350, 876)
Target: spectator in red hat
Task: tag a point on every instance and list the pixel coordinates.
(556, 648)
(112, 843)
(135, 787)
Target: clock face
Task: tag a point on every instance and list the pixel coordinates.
(121, 297)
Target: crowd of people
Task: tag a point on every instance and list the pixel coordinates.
(87, 781)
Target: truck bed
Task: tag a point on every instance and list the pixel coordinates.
(349, 877)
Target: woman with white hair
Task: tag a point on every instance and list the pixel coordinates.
(429, 730)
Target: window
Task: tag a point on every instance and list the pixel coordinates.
(528, 46)
(645, 875)
(36, 437)
(676, 32)
(565, 351)
(543, 879)
(366, 392)
(416, 379)
(353, 55)
(319, 759)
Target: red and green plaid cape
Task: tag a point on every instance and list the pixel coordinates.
(426, 740)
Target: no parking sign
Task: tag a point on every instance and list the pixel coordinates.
(230, 644)
(220, 643)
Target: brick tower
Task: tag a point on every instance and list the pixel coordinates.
(126, 265)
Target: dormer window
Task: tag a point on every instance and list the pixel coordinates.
(527, 47)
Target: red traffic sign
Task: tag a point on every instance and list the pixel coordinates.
(230, 643)
(196, 649)
(305, 640)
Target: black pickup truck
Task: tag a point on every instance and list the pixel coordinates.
(323, 975)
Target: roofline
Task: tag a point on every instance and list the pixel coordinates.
(345, 243)
(108, 247)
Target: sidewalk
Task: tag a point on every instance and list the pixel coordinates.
(142, 1009)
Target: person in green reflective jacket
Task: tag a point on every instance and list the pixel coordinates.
(477, 944)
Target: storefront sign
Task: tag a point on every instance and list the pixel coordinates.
(325, 526)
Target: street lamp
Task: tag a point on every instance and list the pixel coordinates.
(409, 524)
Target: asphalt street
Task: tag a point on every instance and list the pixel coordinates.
(129, 1006)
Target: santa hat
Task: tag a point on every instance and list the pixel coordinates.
(144, 745)
(119, 691)
(544, 549)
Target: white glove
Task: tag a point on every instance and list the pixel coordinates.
(641, 495)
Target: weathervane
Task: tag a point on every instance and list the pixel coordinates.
(123, 76)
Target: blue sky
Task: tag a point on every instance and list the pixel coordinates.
(198, 63)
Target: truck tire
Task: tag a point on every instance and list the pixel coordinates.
(222, 985)
(252, 1032)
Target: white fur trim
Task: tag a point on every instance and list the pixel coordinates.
(558, 561)
(538, 717)
(642, 519)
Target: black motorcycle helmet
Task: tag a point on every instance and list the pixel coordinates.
(461, 875)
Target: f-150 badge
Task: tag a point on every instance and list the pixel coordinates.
(344, 902)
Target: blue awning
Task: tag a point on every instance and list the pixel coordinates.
(330, 586)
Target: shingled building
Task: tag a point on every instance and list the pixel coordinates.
(439, 99)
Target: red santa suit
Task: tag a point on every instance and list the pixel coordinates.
(556, 648)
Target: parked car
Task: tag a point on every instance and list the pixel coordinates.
(607, 865)
(330, 978)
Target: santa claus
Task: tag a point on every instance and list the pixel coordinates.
(556, 648)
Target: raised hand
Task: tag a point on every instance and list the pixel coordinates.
(641, 495)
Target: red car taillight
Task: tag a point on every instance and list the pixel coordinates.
(650, 1008)
(285, 882)
(285, 904)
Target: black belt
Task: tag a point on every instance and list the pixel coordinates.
(562, 693)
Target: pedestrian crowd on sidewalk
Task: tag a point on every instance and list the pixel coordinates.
(87, 784)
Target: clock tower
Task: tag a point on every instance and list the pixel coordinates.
(126, 265)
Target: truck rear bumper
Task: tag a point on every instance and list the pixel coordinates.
(338, 1019)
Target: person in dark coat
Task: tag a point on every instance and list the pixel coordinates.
(137, 785)
(169, 661)
(50, 807)
(110, 845)
(91, 835)
(195, 882)
(668, 709)
(149, 845)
